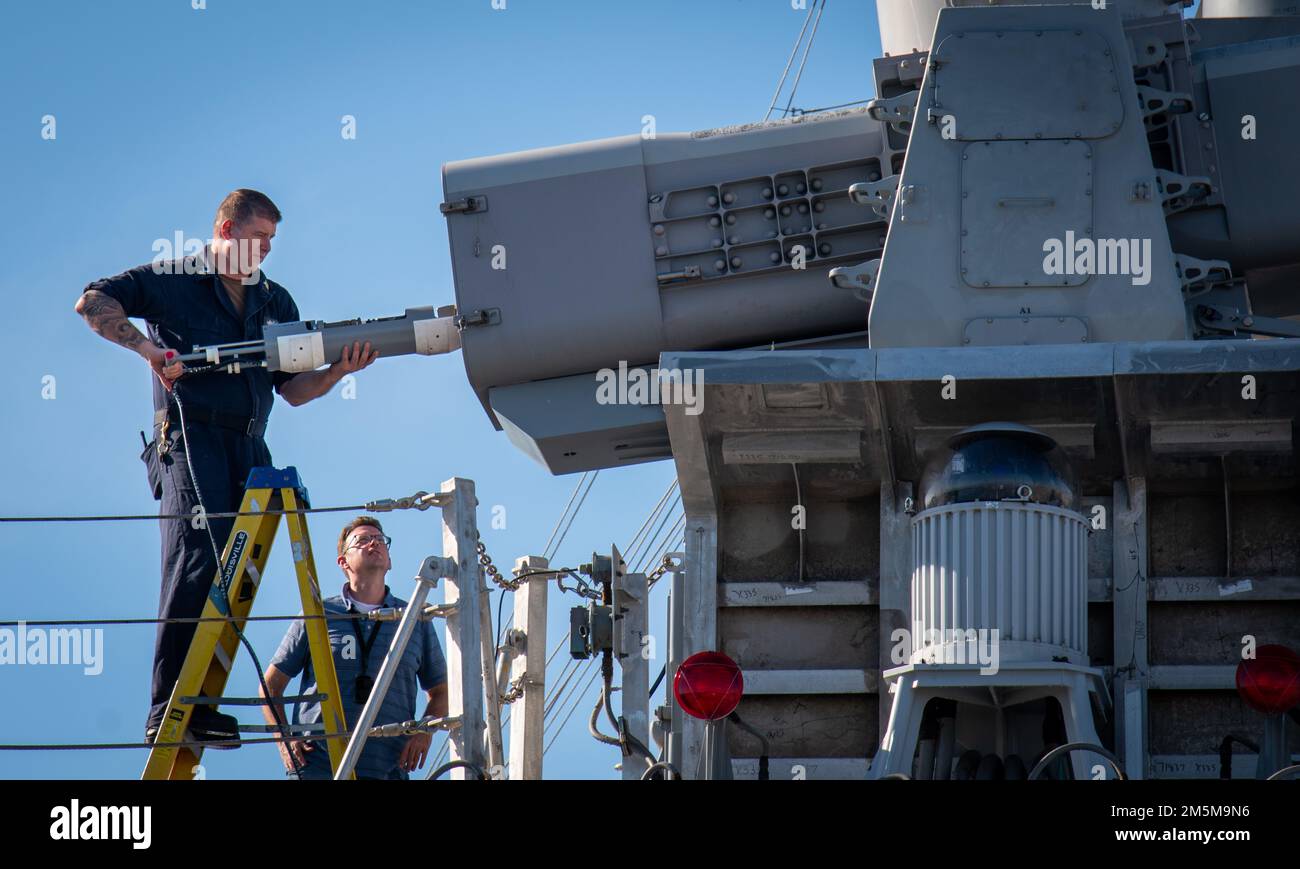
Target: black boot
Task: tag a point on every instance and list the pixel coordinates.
(209, 725)
(206, 725)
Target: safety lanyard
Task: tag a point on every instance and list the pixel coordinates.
(365, 644)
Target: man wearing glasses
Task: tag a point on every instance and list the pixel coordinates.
(359, 648)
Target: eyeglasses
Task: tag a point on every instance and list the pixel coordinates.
(362, 542)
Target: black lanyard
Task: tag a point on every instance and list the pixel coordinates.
(365, 644)
(364, 683)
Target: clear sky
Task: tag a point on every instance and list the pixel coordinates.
(161, 109)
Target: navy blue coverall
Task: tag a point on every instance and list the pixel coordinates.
(225, 420)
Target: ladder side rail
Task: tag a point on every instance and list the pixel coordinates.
(208, 661)
(332, 716)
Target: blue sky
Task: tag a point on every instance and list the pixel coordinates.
(162, 109)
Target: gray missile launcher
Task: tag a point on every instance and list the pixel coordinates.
(1007, 359)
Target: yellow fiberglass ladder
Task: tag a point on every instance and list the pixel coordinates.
(268, 493)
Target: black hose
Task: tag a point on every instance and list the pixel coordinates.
(496, 654)
(658, 679)
(967, 765)
(632, 745)
(1061, 750)
(628, 743)
(459, 764)
(606, 696)
(1225, 753)
(673, 774)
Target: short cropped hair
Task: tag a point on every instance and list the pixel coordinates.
(354, 525)
(242, 204)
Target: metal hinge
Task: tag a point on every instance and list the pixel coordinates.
(468, 205)
(1198, 274)
(1157, 102)
(1180, 192)
(896, 111)
(878, 195)
(859, 279)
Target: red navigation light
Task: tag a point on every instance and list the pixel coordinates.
(708, 685)
(1270, 682)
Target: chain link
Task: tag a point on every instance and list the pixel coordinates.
(515, 691)
(491, 569)
(659, 571)
(583, 590)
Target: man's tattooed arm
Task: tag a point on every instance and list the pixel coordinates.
(104, 314)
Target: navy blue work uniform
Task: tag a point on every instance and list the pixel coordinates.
(225, 419)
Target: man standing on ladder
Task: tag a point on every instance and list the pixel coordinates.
(208, 431)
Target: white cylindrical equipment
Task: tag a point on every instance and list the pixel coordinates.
(1019, 569)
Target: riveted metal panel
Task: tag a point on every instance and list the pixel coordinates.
(1027, 84)
(1016, 197)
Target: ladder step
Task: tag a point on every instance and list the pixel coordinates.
(292, 728)
(253, 701)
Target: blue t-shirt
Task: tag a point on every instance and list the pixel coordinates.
(422, 663)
